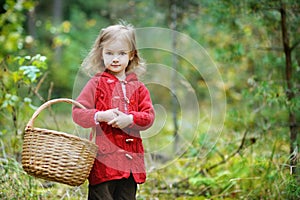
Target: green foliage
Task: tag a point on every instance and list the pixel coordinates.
(19, 77)
(292, 189)
(242, 38)
(18, 88)
(15, 183)
(12, 39)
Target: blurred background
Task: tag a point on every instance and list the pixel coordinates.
(254, 46)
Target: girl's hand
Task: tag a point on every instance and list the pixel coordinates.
(106, 116)
(121, 121)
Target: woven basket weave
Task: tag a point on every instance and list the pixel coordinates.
(57, 156)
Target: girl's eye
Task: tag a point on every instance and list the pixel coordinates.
(123, 53)
(108, 53)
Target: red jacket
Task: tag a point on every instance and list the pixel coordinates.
(120, 152)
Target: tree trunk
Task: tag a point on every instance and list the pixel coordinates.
(31, 23)
(57, 19)
(289, 92)
(173, 14)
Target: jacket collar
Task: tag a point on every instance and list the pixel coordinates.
(111, 78)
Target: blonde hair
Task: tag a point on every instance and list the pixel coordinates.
(93, 63)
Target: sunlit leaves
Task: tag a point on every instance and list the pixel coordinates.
(32, 72)
(11, 25)
(30, 67)
(20, 72)
(10, 101)
(28, 102)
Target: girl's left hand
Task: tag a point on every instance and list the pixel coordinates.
(121, 121)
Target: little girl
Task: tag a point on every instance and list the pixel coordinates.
(119, 107)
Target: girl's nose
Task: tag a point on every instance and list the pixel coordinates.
(115, 60)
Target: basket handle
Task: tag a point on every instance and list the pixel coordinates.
(53, 101)
(47, 104)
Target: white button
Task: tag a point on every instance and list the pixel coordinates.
(128, 156)
(129, 140)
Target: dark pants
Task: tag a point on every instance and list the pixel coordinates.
(123, 189)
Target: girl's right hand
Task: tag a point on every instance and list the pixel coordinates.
(106, 116)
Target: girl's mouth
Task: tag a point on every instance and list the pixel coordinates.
(115, 65)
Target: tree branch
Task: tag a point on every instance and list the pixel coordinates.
(295, 45)
(231, 155)
(270, 48)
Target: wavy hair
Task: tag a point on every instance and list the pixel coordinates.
(93, 62)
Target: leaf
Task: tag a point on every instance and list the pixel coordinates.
(15, 76)
(10, 101)
(202, 181)
(21, 60)
(28, 101)
(32, 72)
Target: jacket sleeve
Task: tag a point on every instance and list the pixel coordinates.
(85, 117)
(143, 118)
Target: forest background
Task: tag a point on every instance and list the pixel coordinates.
(255, 47)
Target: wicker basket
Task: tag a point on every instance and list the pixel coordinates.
(54, 155)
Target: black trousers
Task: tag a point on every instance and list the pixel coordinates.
(122, 189)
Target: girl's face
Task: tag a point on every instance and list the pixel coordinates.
(116, 55)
